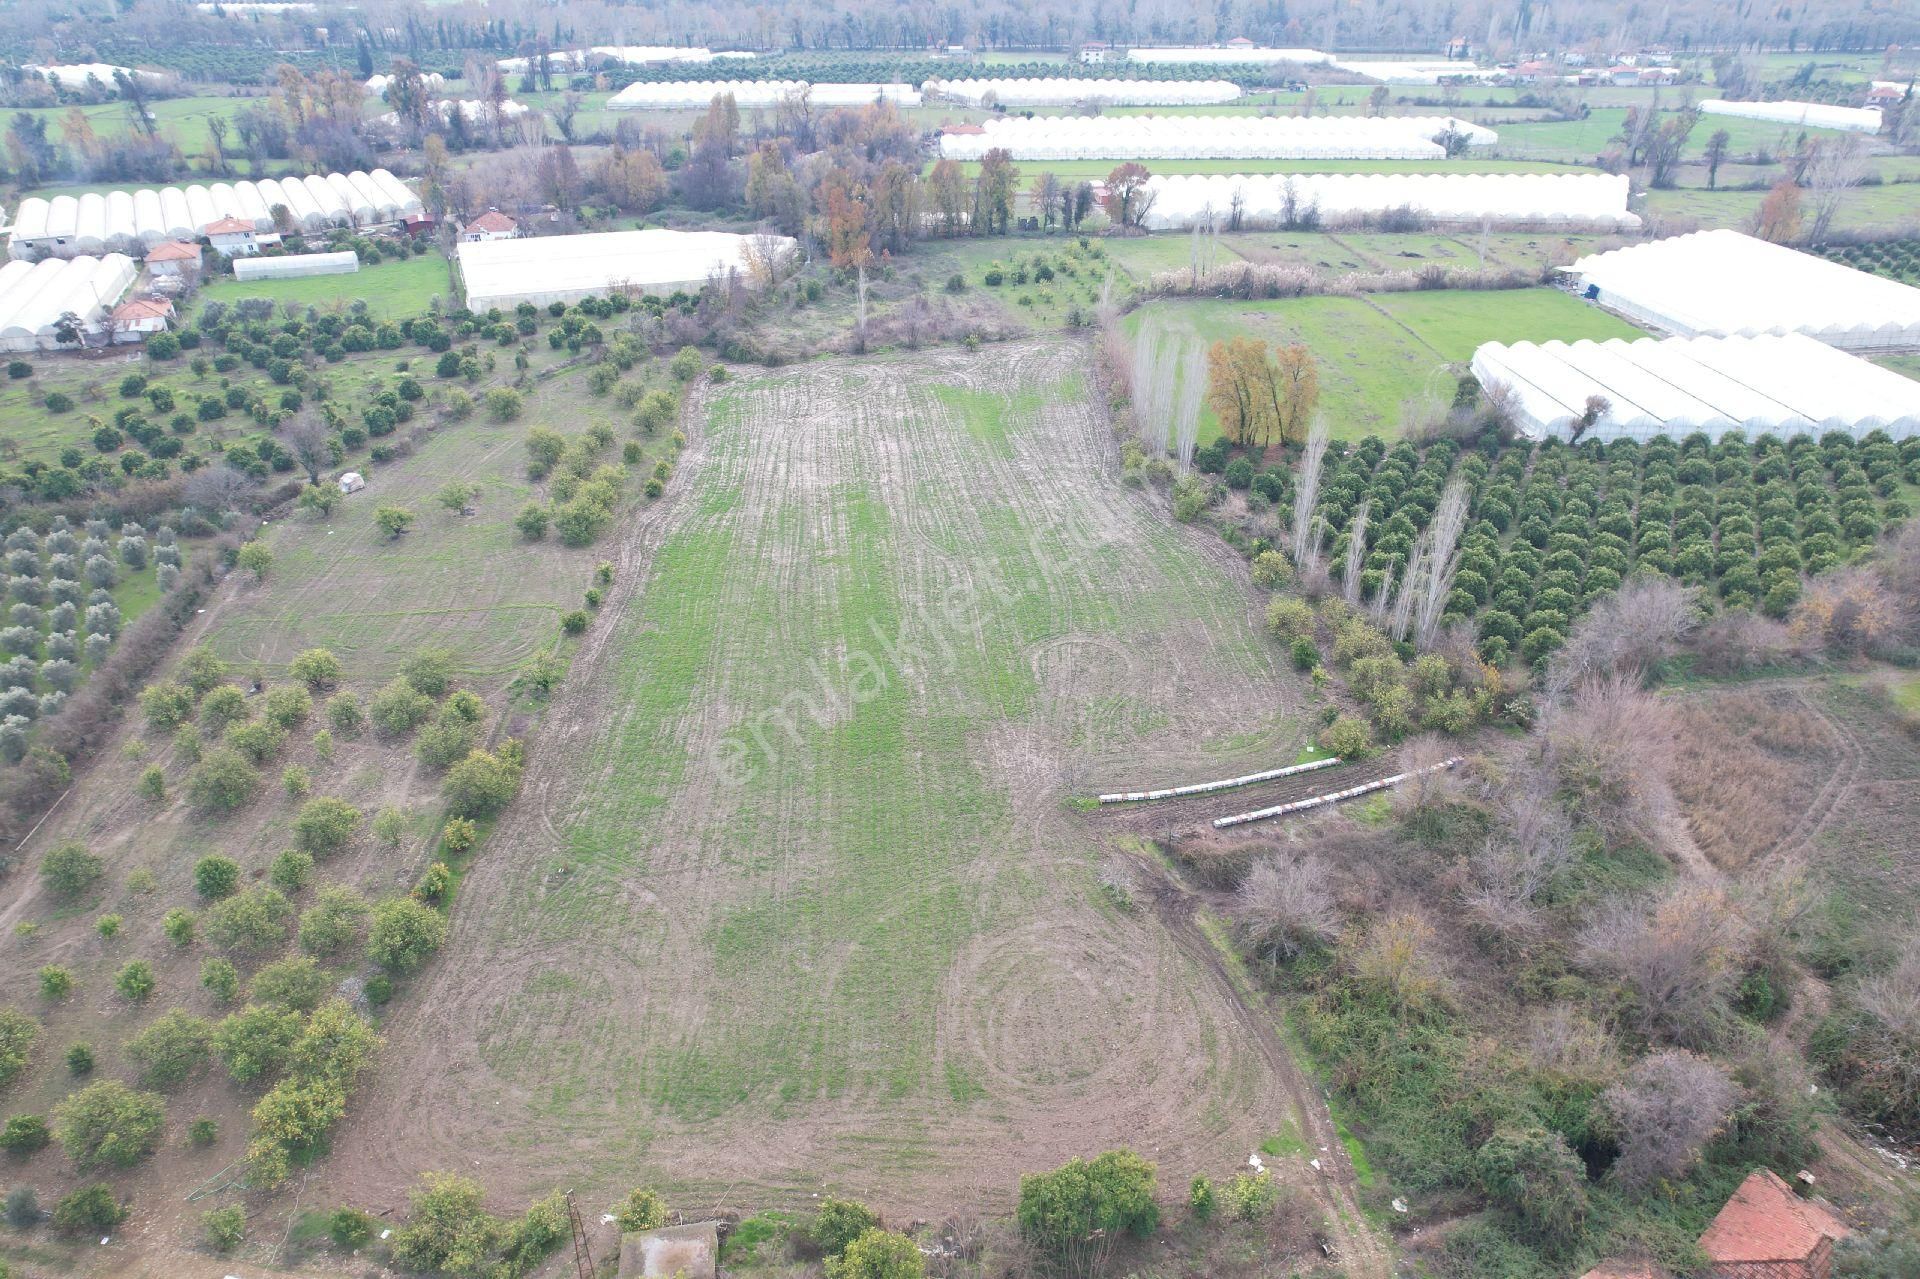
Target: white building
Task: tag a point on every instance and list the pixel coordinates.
(567, 268)
(291, 265)
(237, 237)
(174, 258)
(491, 225)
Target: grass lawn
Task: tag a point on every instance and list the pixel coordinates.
(391, 289)
(1865, 208)
(1905, 364)
(1378, 353)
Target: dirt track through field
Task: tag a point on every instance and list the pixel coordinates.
(793, 900)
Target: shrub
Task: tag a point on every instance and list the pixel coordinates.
(1200, 1198)
(393, 520)
(1349, 737)
(287, 705)
(56, 981)
(109, 1124)
(324, 826)
(219, 978)
(24, 1134)
(249, 922)
(152, 785)
(166, 706)
(404, 933)
(172, 1047)
(481, 784)
(317, 668)
(642, 1209)
(90, 1209)
(80, 1059)
(399, 708)
(256, 1042)
(458, 835)
(1248, 1196)
(1290, 618)
(135, 979)
(179, 926)
(70, 870)
(225, 1227)
(202, 1132)
(840, 1222)
(344, 715)
(222, 782)
(17, 1035)
(292, 870)
(108, 926)
(448, 1220)
(349, 1228)
(59, 402)
(879, 1254)
(504, 404)
(574, 622)
(294, 983)
(533, 521)
(216, 877)
(1077, 1213)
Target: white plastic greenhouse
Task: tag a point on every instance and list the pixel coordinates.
(1177, 137)
(687, 95)
(254, 267)
(75, 75)
(33, 300)
(1725, 284)
(1572, 200)
(632, 54)
(1058, 91)
(433, 81)
(1783, 385)
(130, 221)
(1428, 71)
(1242, 55)
(1814, 115)
(566, 268)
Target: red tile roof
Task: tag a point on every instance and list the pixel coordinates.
(173, 251)
(229, 226)
(1766, 1221)
(143, 309)
(492, 220)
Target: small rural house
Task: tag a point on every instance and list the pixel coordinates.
(1766, 1231)
(174, 258)
(491, 225)
(236, 237)
(136, 318)
(1093, 51)
(352, 482)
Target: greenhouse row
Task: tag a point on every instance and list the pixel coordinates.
(1582, 200)
(1055, 91)
(132, 221)
(432, 81)
(567, 268)
(1725, 284)
(1785, 385)
(472, 110)
(292, 265)
(1240, 56)
(35, 295)
(684, 95)
(75, 75)
(630, 54)
(1815, 115)
(1429, 71)
(1213, 137)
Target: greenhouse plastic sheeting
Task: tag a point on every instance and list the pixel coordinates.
(32, 301)
(686, 95)
(1176, 137)
(632, 54)
(566, 268)
(1725, 284)
(1241, 56)
(1055, 91)
(1786, 385)
(1814, 115)
(133, 221)
(1573, 199)
(1430, 71)
(286, 266)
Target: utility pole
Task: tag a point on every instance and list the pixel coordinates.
(582, 1258)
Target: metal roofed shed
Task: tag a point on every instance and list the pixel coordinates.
(567, 268)
(289, 266)
(1725, 284)
(1780, 385)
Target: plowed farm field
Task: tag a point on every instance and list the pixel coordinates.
(795, 898)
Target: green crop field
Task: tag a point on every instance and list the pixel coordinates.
(794, 898)
(1378, 353)
(391, 289)
(1889, 207)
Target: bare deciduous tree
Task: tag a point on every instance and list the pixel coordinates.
(307, 439)
(1625, 633)
(1284, 905)
(1306, 495)
(217, 488)
(1356, 552)
(1835, 167)
(1611, 748)
(1677, 954)
(1667, 1109)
